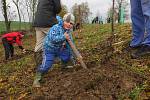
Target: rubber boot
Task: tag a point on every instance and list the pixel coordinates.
(37, 79)
(38, 57)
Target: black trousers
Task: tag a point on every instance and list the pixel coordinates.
(9, 49)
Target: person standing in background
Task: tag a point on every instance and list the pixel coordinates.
(45, 18)
(140, 15)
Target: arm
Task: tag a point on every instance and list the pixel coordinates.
(57, 6)
(19, 43)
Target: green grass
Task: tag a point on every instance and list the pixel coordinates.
(136, 92)
(2, 26)
(14, 26)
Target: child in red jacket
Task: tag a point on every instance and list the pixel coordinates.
(8, 40)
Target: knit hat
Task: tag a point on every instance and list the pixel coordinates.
(69, 18)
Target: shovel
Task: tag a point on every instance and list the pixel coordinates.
(76, 52)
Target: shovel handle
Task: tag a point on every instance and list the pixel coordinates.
(76, 52)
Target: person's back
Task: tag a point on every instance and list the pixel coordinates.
(11, 34)
(13, 37)
(46, 13)
(8, 40)
(55, 36)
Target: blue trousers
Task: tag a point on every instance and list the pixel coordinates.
(140, 15)
(49, 56)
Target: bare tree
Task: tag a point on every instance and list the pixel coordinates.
(31, 6)
(23, 13)
(34, 6)
(118, 5)
(63, 10)
(121, 4)
(16, 2)
(27, 6)
(112, 24)
(0, 8)
(4, 11)
(81, 12)
(85, 11)
(75, 11)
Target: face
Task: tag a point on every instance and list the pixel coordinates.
(67, 25)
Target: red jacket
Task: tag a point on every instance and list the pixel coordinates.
(13, 37)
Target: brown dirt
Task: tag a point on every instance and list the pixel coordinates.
(110, 76)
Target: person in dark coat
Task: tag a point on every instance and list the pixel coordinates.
(45, 18)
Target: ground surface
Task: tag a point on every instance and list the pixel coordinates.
(111, 73)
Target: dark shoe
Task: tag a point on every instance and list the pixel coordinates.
(135, 47)
(144, 50)
(131, 48)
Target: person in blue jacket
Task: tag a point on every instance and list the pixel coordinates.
(55, 45)
(140, 15)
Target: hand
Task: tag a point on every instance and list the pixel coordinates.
(24, 51)
(67, 36)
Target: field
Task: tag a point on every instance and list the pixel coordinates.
(13, 26)
(111, 75)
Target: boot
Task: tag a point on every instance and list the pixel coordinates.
(38, 57)
(37, 79)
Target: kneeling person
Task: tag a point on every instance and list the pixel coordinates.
(55, 45)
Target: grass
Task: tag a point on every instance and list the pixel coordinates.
(92, 37)
(134, 95)
(14, 26)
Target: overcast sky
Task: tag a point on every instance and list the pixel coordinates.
(95, 6)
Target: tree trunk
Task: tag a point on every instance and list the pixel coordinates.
(7, 23)
(17, 6)
(112, 18)
(19, 17)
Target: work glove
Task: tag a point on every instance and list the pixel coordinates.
(24, 51)
(67, 36)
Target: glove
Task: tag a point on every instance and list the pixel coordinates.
(24, 51)
(67, 36)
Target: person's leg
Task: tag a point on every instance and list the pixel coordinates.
(11, 50)
(146, 11)
(6, 48)
(138, 23)
(65, 57)
(48, 58)
(40, 35)
(145, 49)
